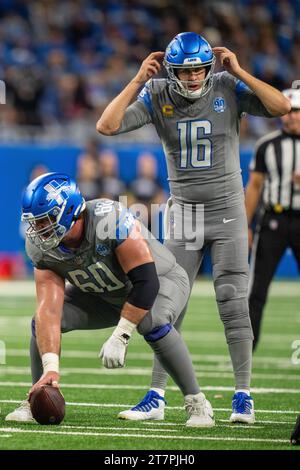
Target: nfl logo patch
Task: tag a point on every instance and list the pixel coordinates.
(219, 104)
(102, 249)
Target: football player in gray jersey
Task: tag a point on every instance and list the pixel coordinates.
(119, 275)
(196, 113)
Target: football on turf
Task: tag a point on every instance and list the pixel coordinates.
(47, 405)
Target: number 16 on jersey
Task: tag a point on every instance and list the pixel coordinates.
(195, 151)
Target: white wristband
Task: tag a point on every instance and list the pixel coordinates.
(50, 362)
(124, 326)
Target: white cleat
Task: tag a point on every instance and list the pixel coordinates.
(152, 406)
(242, 409)
(22, 414)
(199, 410)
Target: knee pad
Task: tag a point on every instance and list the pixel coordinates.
(33, 327)
(158, 333)
(234, 313)
(231, 303)
(233, 306)
(225, 292)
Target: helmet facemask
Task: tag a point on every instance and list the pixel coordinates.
(181, 86)
(45, 231)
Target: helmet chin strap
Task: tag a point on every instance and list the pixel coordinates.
(190, 94)
(181, 87)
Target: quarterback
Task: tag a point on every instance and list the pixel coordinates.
(196, 113)
(118, 275)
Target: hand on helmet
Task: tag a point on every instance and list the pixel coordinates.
(150, 67)
(228, 60)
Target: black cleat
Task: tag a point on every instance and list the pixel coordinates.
(295, 437)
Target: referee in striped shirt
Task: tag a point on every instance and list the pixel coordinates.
(274, 181)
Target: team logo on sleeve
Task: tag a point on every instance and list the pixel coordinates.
(167, 110)
(219, 104)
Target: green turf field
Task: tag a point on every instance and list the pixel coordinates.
(95, 395)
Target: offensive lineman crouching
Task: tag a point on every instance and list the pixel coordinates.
(119, 275)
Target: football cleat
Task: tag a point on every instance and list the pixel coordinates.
(242, 409)
(295, 437)
(199, 410)
(152, 406)
(22, 414)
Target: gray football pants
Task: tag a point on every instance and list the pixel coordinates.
(225, 233)
(84, 311)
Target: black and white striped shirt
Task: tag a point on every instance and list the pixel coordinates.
(277, 155)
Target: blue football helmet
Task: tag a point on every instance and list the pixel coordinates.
(189, 50)
(51, 205)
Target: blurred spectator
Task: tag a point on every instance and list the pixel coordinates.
(63, 60)
(68, 101)
(147, 191)
(38, 170)
(146, 187)
(25, 88)
(112, 186)
(88, 175)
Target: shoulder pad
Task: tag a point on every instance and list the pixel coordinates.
(115, 221)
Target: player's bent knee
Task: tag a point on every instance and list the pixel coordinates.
(158, 333)
(225, 292)
(234, 314)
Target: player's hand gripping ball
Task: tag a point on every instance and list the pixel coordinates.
(47, 405)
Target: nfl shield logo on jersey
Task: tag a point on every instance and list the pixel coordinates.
(102, 249)
(219, 104)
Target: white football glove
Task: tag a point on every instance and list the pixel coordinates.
(114, 350)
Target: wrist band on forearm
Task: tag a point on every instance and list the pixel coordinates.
(50, 362)
(124, 327)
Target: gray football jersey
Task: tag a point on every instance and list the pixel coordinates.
(94, 267)
(200, 138)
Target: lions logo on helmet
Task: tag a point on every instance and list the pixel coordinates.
(51, 205)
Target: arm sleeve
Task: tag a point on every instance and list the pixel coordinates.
(258, 162)
(247, 101)
(139, 113)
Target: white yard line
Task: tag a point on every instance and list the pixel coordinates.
(201, 288)
(258, 422)
(17, 289)
(210, 388)
(278, 341)
(114, 428)
(266, 361)
(136, 428)
(141, 436)
(146, 372)
(124, 405)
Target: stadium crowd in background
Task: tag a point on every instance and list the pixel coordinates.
(64, 60)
